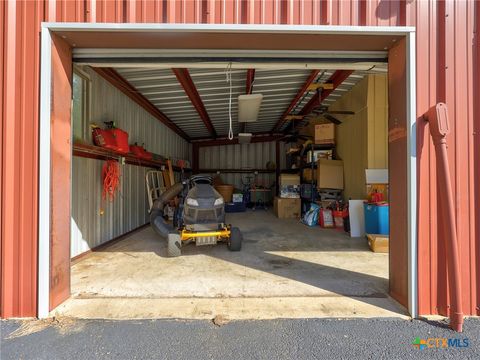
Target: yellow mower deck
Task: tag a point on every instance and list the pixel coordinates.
(188, 235)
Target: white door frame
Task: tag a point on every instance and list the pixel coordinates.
(45, 112)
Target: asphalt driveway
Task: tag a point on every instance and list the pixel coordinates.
(273, 339)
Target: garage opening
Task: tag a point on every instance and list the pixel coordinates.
(298, 147)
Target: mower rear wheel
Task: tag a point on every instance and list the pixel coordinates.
(174, 246)
(235, 240)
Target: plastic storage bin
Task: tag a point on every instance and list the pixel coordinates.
(235, 207)
(383, 219)
(377, 218)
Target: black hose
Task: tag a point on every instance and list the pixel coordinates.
(156, 215)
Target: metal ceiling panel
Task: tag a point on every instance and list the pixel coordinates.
(278, 86)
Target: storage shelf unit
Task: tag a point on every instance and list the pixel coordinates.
(313, 166)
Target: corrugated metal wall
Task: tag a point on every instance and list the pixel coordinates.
(241, 156)
(129, 210)
(444, 73)
(109, 103)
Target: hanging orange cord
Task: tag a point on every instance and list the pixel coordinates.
(111, 179)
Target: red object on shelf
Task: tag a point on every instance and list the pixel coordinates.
(148, 155)
(140, 152)
(113, 139)
(104, 138)
(137, 150)
(121, 140)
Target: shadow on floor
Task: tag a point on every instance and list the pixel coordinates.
(275, 247)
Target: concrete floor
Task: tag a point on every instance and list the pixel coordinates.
(285, 270)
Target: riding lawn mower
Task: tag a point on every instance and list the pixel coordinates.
(199, 216)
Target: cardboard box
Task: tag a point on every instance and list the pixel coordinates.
(330, 174)
(288, 179)
(287, 208)
(325, 133)
(378, 243)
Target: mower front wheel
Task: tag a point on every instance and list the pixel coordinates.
(235, 240)
(174, 245)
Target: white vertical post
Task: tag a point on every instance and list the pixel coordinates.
(412, 176)
(44, 175)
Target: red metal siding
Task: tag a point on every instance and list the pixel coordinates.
(444, 72)
(476, 155)
(397, 148)
(20, 24)
(60, 171)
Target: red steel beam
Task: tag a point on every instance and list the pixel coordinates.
(226, 141)
(248, 90)
(124, 86)
(184, 78)
(336, 79)
(295, 100)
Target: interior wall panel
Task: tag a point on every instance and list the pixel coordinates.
(95, 221)
(110, 104)
(241, 156)
(21, 24)
(129, 210)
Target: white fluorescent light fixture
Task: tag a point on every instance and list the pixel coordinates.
(249, 107)
(244, 138)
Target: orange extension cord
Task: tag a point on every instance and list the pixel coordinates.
(111, 179)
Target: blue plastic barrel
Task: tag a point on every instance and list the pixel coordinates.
(376, 218)
(371, 218)
(383, 222)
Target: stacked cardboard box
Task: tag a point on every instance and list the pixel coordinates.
(329, 174)
(287, 208)
(288, 204)
(325, 133)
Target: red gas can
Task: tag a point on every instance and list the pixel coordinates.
(121, 140)
(137, 150)
(140, 152)
(325, 219)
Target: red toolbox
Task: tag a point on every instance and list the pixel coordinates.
(121, 140)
